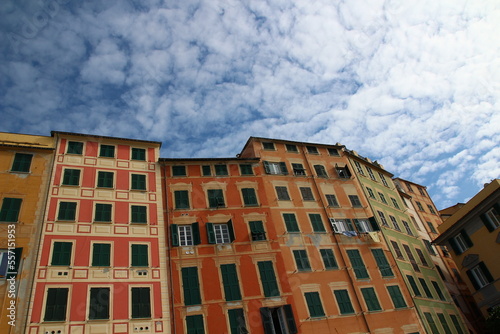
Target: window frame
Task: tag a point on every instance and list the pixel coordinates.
(140, 309)
(291, 148)
(93, 300)
(139, 255)
(314, 304)
(134, 152)
(79, 148)
(191, 286)
(102, 214)
(221, 170)
(306, 194)
(267, 274)
(101, 258)
(246, 169)
(282, 193)
(357, 264)
(215, 198)
(68, 179)
(291, 225)
(61, 257)
(268, 146)
(104, 178)
(332, 201)
(179, 170)
(301, 260)
(65, 211)
(135, 215)
(355, 201)
(230, 282)
(21, 163)
(181, 199)
(249, 196)
(257, 230)
(345, 305)
(371, 299)
(328, 258)
(57, 307)
(138, 182)
(107, 151)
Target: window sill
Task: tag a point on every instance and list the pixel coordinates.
(138, 223)
(139, 190)
(102, 222)
(105, 188)
(65, 221)
(19, 172)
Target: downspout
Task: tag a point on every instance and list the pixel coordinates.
(38, 237)
(336, 242)
(169, 248)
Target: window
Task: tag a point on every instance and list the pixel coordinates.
(411, 258)
(382, 218)
(314, 304)
(316, 222)
(440, 271)
(332, 200)
(71, 177)
(421, 256)
(427, 291)
(230, 282)
(107, 151)
(105, 179)
(138, 182)
(268, 279)
(138, 154)
(291, 222)
(291, 148)
(181, 198)
(409, 187)
(413, 285)
(341, 225)
(395, 223)
(237, 321)
(382, 263)
(257, 230)
(75, 147)
(371, 194)
(101, 255)
(370, 173)
(99, 303)
(312, 150)
(438, 290)
(140, 256)
(220, 233)
(61, 253)
(191, 286)
(384, 181)
(343, 172)
(221, 170)
(415, 223)
(355, 201)
(275, 168)
(491, 218)
(205, 170)
(429, 247)
(359, 168)
(395, 203)
(22, 163)
(194, 324)
(139, 214)
(431, 209)
(215, 198)
(102, 212)
(344, 302)
(298, 169)
(320, 171)
(141, 303)
(431, 323)
(397, 250)
(268, 146)
(179, 170)
(460, 243)
(366, 225)
(56, 303)
(306, 193)
(278, 320)
(328, 259)
(185, 235)
(444, 323)
(421, 190)
(382, 198)
(10, 209)
(479, 276)
(249, 197)
(246, 169)
(301, 260)
(8, 269)
(407, 227)
(357, 264)
(282, 193)
(396, 296)
(456, 324)
(419, 205)
(333, 152)
(371, 299)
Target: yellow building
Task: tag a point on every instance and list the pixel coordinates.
(472, 232)
(25, 165)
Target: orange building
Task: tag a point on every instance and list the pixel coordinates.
(99, 267)
(25, 166)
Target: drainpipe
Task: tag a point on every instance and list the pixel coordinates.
(324, 206)
(38, 236)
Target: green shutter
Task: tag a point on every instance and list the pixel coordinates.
(345, 305)
(174, 235)
(290, 320)
(221, 170)
(75, 147)
(206, 170)
(357, 264)
(249, 197)
(396, 296)
(99, 303)
(438, 290)
(215, 198)
(61, 253)
(431, 323)
(105, 179)
(314, 304)
(191, 286)
(316, 222)
(230, 230)
(246, 169)
(383, 265)
(22, 162)
(268, 279)
(230, 282)
(301, 260)
(181, 199)
(466, 238)
(456, 324)
(138, 154)
(210, 233)
(101, 255)
(102, 212)
(67, 211)
(427, 291)
(283, 168)
(413, 285)
(107, 151)
(71, 177)
(56, 302)
(237, 321)
(195, 228)
(374, 224)
(257, 230)
(140, 256)
(194, 324)
(444, 323)
(10, 209)
(138, 182)
(328, 259)
(371, 299)
(139, 214)
(291, 222)
(141, 303)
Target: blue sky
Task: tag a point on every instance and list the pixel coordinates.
(412, 84)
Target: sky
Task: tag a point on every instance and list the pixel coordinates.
(414, 85)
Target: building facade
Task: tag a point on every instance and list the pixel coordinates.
(472, 235)
(101, 266)
(25, 166)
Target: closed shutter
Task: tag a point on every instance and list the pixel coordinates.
(230, 282)
(345, 305)
(374, 224)
(191, 286)
(55, 307)
(370, 299)
(383, 265)
(268, 279)
(10, 209)
(283, 168)
(290, 320)
(210, 233)
(357, 264)
(195, 228)
(314, 304)
(267, 320)
(174, 235)
(396, 296)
